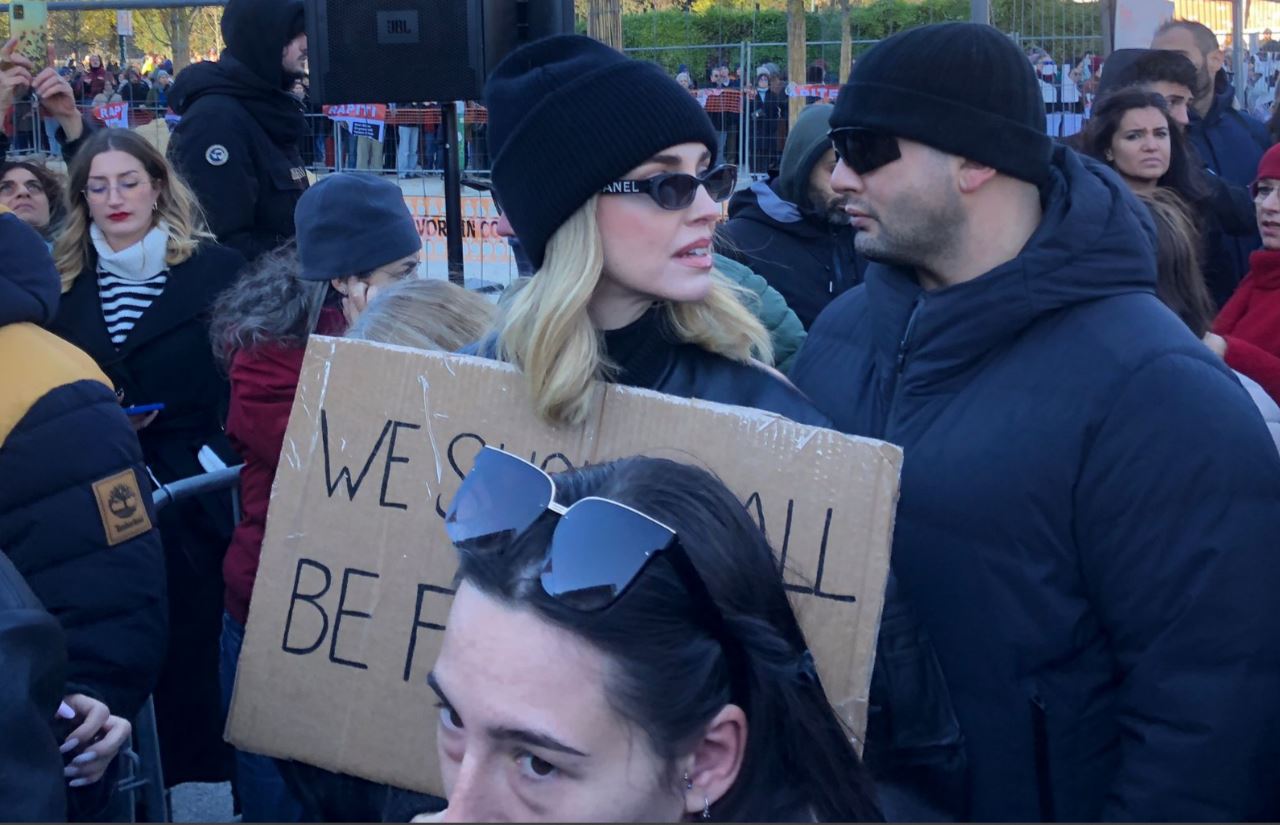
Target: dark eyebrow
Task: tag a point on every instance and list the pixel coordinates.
(533, 739)
(676, 160)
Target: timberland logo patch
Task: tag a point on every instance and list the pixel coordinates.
(124, 515)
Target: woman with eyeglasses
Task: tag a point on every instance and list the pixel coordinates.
(139, 274)
(34, 193)
(625, 287)
(621, 648)
(1247, 331)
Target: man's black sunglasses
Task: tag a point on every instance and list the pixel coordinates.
(676, 190)
(864, 150)
(598, 550)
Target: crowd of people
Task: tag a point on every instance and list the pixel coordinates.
(1075, 341)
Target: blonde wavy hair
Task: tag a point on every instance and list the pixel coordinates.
(176, 205)
(544, 329)
(425, 314)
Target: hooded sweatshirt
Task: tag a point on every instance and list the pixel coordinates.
(63, 433)
(1086, 528)
(779, 233)
(237, 142)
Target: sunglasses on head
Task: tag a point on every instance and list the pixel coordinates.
(676, 190)
(864, 150)
(599, 548)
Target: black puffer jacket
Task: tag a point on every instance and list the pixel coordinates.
(649, 357)
(79, 527)
(33, 661)
(777, 231)
(237, 142)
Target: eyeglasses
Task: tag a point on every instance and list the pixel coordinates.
(9, 188)
(598, 550)
(102, 191)
(864, 150)
(1261, 191)
(676, 190)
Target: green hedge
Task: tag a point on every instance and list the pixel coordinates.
(1060, 26)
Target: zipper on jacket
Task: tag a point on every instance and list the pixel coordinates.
(1040, 744)
(906, 334)
(900, 364)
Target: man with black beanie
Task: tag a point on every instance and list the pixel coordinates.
(1086, 528)
(237, 142)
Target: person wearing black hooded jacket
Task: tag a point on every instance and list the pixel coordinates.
(237, 143)
(802, 247)
(1086, 527)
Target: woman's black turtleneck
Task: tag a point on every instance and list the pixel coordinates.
(642, 350)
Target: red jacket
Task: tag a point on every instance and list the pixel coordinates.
(1251, 322)
(263, 383)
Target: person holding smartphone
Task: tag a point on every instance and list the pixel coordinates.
(139, 275)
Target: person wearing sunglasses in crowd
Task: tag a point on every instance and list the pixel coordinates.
(786, 331)
(139, 275)
(621, 648)
(1086, 554)
(625, 286)
(1247, 331)
(34, 193)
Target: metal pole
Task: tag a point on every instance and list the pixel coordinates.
(980, 11)
(123, 59)
(452, 191)
(121, 5)
(1241, 80)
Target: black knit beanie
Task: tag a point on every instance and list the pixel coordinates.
(568, 116)
(962, 88)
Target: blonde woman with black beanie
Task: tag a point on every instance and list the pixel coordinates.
(615, 197)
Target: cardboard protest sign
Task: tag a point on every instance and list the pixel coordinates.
(356, 574)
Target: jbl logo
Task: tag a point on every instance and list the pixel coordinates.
(398, 26)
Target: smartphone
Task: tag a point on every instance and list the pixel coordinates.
(29, 22)
(143, 409)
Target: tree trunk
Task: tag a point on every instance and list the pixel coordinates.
(846, 42)
(796, 58)
(178, 27)
(604, 22)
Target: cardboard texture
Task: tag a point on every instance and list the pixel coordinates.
(354, 585)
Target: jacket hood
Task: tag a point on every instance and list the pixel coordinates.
(29, 282)
(256, 32)
(1224, 96)
(279, 112)
(1095, 240)
(762, 203)
(806, 144)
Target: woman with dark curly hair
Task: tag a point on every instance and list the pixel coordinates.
(33, 192)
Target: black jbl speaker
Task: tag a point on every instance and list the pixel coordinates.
(409, 51)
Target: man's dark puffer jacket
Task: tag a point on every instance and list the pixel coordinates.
(79, 524)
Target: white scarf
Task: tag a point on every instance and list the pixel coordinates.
(140, 262)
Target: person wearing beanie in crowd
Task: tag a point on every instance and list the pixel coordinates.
(237, 142)
(1247, 331)
(355, 237)
(620, 236)
(793, 230)
(1089, 560)
(1225, 210)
